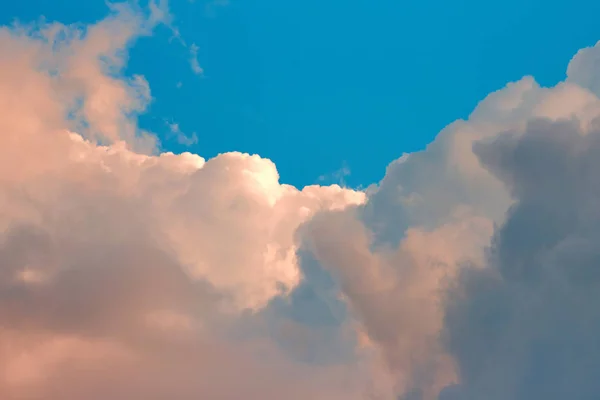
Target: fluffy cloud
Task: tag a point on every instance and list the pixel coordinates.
(128, 273)
(412, 261)
(526, 326)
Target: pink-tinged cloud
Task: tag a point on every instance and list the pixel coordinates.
(127, 273)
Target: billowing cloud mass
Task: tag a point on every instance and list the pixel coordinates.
(467, 273)
(526, 326)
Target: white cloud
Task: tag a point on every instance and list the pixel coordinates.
(181, 137)
(196, 68)
(125, 274)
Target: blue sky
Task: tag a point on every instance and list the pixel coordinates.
(318, 86)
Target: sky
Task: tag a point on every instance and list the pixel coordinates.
(311, 80)
(272, 201)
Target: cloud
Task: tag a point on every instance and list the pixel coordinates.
(76, 70)
(211, 7)
(467, 272)
(338, 176)
(526, 326)
(138, 275)
(422, 238)
(121, 268)
(194, 63)
(181, 137)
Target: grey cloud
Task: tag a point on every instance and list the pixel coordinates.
(582, 69)
(433, 214)
(527, 326)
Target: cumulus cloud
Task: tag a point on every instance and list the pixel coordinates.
(525, 327)
(415, 261)
(130, 274)
(466, 273)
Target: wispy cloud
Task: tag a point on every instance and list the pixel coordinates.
(195, 64)
(338, 176)
(182, 138)
(212, 6)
